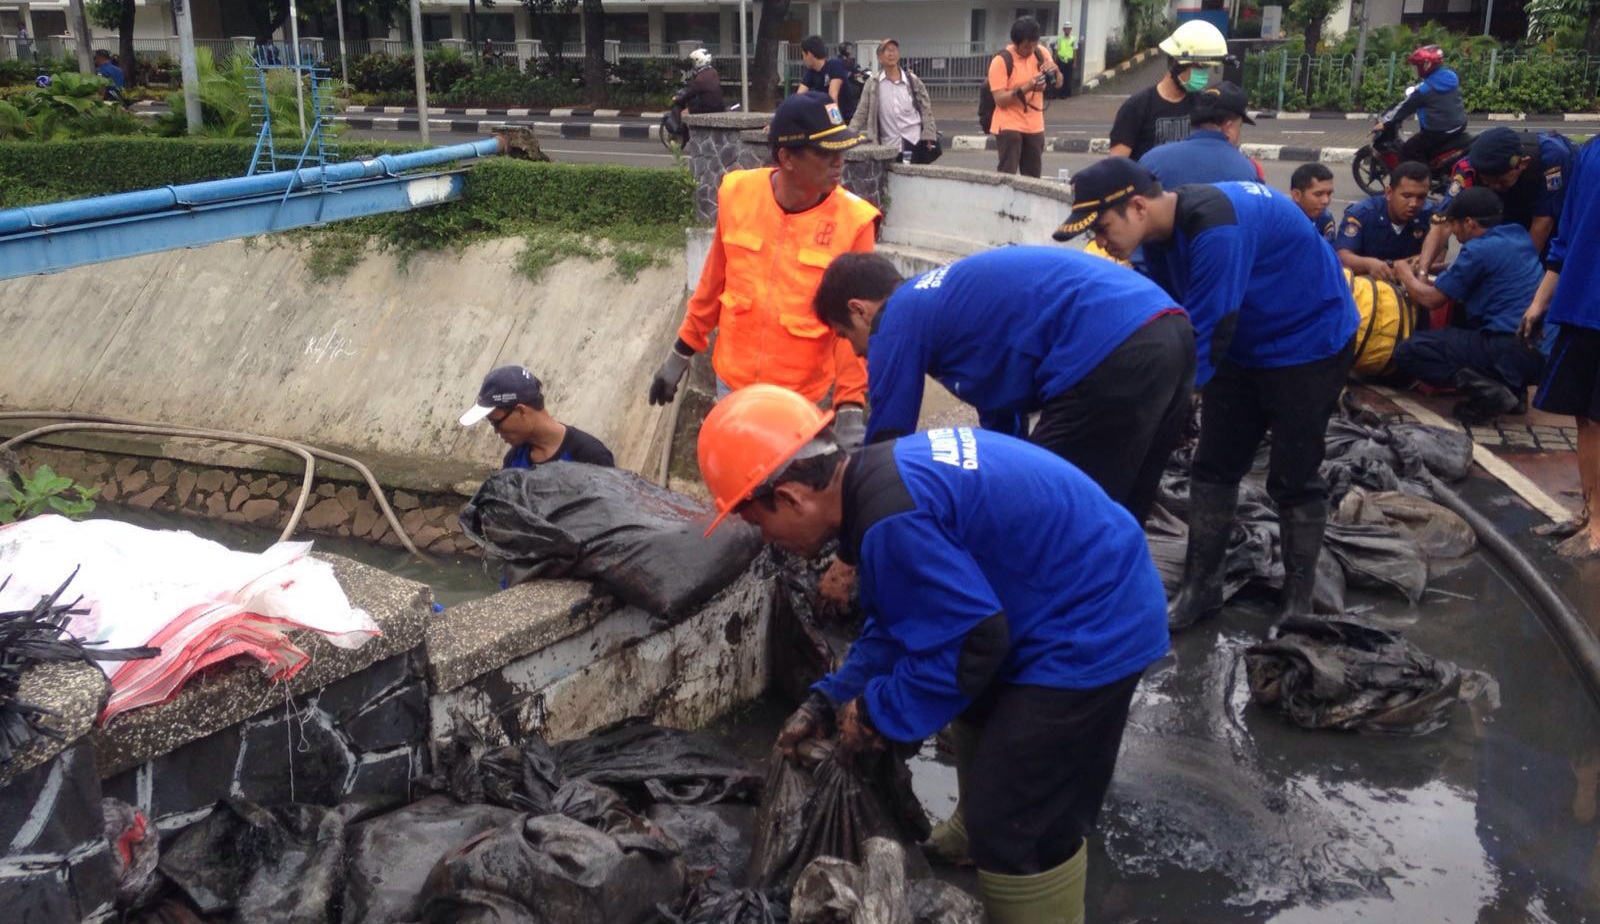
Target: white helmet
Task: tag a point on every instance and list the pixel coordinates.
(1195, 40)
(700, 57)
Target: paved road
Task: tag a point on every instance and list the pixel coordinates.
(653, 155)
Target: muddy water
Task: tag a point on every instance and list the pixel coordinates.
(1223, 812)
(454, 580)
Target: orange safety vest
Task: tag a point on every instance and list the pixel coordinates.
(756, 289)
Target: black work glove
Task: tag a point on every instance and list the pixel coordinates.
(850, 427)
(664, 387)
(814, 719)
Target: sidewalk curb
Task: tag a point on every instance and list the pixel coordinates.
(1367, 116)
(1128, 65)
(570, 130)
(1064, 145)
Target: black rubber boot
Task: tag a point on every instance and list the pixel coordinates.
(1484, 398)
(1211, 508)
(1300, 529)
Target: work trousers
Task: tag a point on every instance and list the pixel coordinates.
(1043, 761)
(1435, 356)
(1020, 152)
(1239, 405)
(1120, 422)
(1421, 146)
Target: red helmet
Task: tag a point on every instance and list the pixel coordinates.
(1426, 59)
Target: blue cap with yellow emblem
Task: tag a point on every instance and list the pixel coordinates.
(811, 120)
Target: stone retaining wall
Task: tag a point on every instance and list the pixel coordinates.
(259, 498)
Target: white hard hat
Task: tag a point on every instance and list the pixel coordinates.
(700, 57)
(1196, 40)
(1067, 24)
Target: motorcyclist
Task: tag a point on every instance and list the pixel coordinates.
(1436, 100)
(702, 92)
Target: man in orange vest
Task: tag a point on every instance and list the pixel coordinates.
(778, 228)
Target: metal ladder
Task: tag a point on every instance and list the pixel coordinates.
(319, 147)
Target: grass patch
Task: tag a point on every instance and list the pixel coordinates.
(334, 251)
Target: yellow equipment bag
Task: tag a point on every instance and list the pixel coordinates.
(1387, 318)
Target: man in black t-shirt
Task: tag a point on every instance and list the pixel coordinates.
(820, 73)
(512, 400)
(1159, 114)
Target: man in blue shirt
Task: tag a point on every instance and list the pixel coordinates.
(1273, 317)
(1311, 188)
(105, 67)
(1211, 152)
(1569, 296)
(1493, 280)
(1000, 586)
(512, 400)
(820, 73)
(1387, 228)
(1436, 99)
(1103, 355)
(1527, 169)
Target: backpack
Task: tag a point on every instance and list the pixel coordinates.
(850, 91)
(986, 95)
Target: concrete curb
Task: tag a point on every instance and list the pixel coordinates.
(557, 113)
(1064, 145)
(1127, 65)
(572, 130)
(1368, 116)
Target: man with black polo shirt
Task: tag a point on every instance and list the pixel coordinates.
(512, 400)
(1273, 320)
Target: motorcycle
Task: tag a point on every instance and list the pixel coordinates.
(672, 132)
(1374, 162)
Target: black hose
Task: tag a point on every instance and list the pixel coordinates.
(1571, 631)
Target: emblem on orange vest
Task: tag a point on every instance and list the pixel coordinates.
(824, 234)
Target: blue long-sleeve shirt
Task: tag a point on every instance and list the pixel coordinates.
(1577, 296)
(1005, 331)
(1437, 102)
(1261, 288)
(1205, 156)
(954, 526)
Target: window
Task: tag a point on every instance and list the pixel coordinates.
(436, 26)
(1044, 16)
(980, 27)
(628, 28)
(830, 26)
(705, 28)
(496, 27)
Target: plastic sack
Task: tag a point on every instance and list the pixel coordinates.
(135, 849)
(390, 856)
(714, 840)
(741, 906)
(825, 807)
(649, 764)
(553, 870)
(1347, 675)
(834, 891)
(278, 864)
(642, 542)
(198, 601)
(1438, 531)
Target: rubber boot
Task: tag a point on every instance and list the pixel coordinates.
(1484, 398)
(947, 843)
(1211, 508)
(1054, 896)
(1301, 528)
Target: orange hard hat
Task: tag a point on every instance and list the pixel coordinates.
(748, 437)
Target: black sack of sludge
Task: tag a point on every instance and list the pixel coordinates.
(642, 542)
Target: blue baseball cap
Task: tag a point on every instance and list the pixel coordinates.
(811, 120)
(504, 387)
(1100, 185)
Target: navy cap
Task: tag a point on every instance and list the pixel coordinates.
(1474, 202)
(1496, 151)
(1099, 185)
(811, 120)
(1221, 98)
(504, 387)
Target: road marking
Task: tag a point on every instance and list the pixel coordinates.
(603, 151)
(1307, 132)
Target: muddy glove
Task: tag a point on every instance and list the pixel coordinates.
(835, 587)
(814, 719)
(850, 427)
(857, 734)
(664, 387)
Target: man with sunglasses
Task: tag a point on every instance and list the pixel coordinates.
(512, 400)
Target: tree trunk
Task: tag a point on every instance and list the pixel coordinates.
(1313, 39)
(268, 16)
(130, 64)
(1591, 39)
(764, 74)
(596, 92)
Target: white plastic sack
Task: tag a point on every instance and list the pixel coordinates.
(198, 601)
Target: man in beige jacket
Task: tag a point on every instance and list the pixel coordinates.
(895, 109)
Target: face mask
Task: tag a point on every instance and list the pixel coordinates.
(1198, 79)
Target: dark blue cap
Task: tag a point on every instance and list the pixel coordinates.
(1496, 151)
(504, 387)
(811, 120)
(1099, 185)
